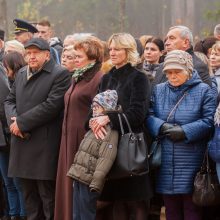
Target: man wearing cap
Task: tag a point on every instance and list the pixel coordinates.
(181, 38)
(34, 113)
(24, 31)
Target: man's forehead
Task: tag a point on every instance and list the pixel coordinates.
(173, 31)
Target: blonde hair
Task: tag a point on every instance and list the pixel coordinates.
(14, 45)
(205, 60)
(216, 46)
(127, 42)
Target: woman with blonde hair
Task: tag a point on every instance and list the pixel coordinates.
(130, 196)
(68, 58)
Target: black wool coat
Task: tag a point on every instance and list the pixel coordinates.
(133, 90)
(38, 105)
(198, 65)
(4, 91)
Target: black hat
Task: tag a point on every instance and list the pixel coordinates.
(23, 26)
(39, 43)
(2, 34)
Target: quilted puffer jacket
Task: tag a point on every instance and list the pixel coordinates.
(181, 160)
(94, 159)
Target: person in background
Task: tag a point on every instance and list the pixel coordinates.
(45, 31)
(69, 40)
(130, 196)
(34, 111)
(14, 45)
(185, 130)
(13, 194)
(205, 45)
(2, 44)
(181, 38)
(153, 52)
(217, 31)
(68, 58)
(78, 100)
(24, 31)
(13, 61)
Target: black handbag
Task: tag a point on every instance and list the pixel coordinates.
(206, 185)
(131, 159)
(154, 155)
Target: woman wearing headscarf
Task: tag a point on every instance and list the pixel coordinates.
(182, 114)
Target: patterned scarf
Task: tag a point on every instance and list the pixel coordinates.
(78, 73)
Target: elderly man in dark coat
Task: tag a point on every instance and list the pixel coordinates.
(181, 38)
(34, 113)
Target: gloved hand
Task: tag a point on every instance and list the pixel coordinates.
(165, 126)
(176, 133)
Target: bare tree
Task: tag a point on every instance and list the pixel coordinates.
(190, 13)
(3, 16)
(122, 6)
(177, 9)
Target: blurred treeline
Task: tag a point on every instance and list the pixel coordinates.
(103, 17)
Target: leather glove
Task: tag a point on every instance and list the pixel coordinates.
(176, 133)
(165, 126)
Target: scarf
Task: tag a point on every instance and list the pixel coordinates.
(151, 69)
(78, 73)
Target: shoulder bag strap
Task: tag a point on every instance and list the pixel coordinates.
(175, 107)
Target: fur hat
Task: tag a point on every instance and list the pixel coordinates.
(108, 99)
(178, 59)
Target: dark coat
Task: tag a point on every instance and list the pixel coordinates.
(78, 100)
(181, 160)
(133, 91)
(38, 105)
(4, 91)
(200, 66)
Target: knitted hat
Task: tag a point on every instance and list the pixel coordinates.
(178, 59)
(108, 99)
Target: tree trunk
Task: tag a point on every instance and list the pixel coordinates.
(190, 12)
(177, 9)
(3, 16)
(122, 14)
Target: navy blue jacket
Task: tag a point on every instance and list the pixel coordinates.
(181, 160)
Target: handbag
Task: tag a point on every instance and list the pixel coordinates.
(206, 185)
(131, 158)
(154, 154)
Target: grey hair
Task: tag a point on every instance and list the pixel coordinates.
(217, 30)
(185, 33)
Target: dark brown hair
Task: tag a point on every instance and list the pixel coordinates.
(14, 61)
(203, 46)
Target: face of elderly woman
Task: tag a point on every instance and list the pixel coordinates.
(118, 56)
(81, 59)
(176, 77)
(215, 59)
(68, 60)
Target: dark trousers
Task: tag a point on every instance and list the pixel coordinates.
(39, 198)
(181, 207)
(84, 202)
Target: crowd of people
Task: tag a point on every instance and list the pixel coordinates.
(60, 104)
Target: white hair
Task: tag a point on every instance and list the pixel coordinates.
(185, 33)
